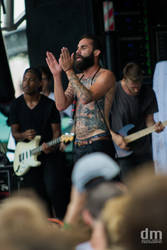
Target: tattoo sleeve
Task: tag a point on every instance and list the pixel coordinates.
(85, 94)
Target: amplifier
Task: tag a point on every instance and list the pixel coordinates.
(7, 182)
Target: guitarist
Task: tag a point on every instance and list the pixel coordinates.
(134, 103)
(33, 114)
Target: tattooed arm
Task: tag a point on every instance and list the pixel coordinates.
(66, 62)
(85, 94)
(104, 81)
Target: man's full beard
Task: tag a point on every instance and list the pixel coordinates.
(85, 63)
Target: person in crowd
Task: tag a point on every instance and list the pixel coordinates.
(134, 103)
(92, 89)
(33, 114)
(92, 168)
(146, 227)
(110, 223)
(24, 225)
(96, 197)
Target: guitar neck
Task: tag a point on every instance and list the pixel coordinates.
(50, 143)
(141, 133)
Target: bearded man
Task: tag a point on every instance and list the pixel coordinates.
(93, 90)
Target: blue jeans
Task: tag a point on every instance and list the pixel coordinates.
(105, 146)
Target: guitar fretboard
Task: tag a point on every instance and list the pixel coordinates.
(51, 143)
(141, 133)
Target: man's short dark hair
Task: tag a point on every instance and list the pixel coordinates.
(37, 73)
(133, 72)
(97, 44)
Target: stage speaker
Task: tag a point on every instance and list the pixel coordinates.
(7, 181)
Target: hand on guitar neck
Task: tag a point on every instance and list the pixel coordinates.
(122, 139)
(159, 127)
(47, 149)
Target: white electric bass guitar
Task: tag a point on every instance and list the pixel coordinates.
(132, 137)
(26, 153)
